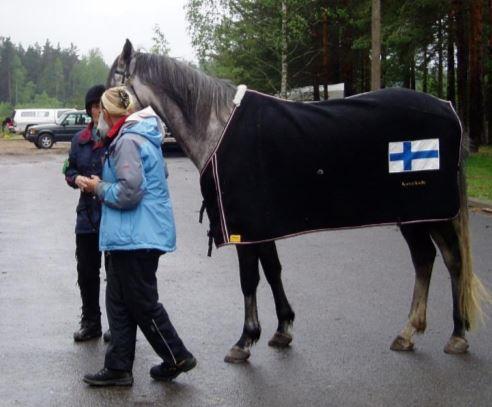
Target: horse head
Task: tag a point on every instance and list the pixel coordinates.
(122, 66)
(194, 106)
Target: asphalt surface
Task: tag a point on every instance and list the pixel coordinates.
(351, 291)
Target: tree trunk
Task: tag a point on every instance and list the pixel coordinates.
(425, 72)
(283, 84)
(461, 30)
(335, 45)
(367, 75)
(412, 71)
(361, 71)
(325, 66)
(347, 58)
(476, 72)
(383, 59)
(376, 45)
(451, 87)
(316, 95)
(489, 75)
(406, 63)
(364, 65)
(439, 59)
(9, 85)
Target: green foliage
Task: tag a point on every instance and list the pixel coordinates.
(241, 40)
(6, 110)
(89, 71)
(41, 100)
(479, 173)
(47, 76)
(160, 44)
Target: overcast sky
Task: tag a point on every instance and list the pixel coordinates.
(103, 24)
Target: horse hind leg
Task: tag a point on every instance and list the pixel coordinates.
(468, 291)
(423, 254)
(272, 269)
(250, 277)
(446, 237)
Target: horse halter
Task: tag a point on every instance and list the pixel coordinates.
(125, 80)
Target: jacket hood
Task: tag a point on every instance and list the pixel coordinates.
(147, 124)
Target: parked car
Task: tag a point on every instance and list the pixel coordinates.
(45, 135)
(8, 125)
(25, 118)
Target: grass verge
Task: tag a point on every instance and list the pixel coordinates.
(479, 174)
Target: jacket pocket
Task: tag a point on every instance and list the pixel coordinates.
(125, 227)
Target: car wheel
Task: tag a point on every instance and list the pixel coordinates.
(45, 140)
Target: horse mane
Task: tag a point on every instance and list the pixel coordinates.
(194, 92)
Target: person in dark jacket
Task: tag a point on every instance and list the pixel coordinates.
(85, 159)
(137, 227)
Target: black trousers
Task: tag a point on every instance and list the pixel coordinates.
(88, 268)
(131, 301)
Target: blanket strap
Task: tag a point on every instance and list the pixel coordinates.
(202, 209)
(210, 243)
(209, 232)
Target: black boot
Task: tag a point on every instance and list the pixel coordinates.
(167, 372)
(108, 377)
(88, 330)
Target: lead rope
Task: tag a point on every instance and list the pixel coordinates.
(209, 232)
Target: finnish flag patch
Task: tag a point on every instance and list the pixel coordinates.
(417, 155)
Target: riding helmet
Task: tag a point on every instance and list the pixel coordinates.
(93, 95)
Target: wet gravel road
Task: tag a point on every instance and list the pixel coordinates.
(351, 291)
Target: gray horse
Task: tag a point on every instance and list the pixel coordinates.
(196, 108)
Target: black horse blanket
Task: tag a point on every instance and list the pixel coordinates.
(283, 168)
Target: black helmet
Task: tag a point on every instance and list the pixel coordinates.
(93, 95)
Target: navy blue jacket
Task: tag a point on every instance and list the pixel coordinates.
(85, 158)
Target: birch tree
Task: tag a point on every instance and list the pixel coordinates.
(376, 45)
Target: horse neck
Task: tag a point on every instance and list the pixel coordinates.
(198, 140)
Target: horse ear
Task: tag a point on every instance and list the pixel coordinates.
(127, 53)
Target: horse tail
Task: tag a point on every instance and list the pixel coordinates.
(473, 292)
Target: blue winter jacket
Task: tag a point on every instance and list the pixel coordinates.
(136, 210)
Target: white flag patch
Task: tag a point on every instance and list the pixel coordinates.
(418, 155)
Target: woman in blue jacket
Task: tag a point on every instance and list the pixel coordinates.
(137, 227)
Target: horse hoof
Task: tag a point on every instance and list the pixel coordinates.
(401, 344)
(456, 345)
(237, 355)
(280, 340)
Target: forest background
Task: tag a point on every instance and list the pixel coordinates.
(442, 47)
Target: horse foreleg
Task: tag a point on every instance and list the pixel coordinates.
(423, 254)
(250, 276)
(447, 239)
(272, 269)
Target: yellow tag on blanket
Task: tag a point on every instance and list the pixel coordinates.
(235, 239)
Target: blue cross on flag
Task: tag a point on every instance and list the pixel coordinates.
(417, 155)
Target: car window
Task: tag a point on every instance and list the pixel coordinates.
(61, 118)
(70, 120)
(28, 114)
(43, 114)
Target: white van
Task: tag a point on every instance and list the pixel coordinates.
(24, 118)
